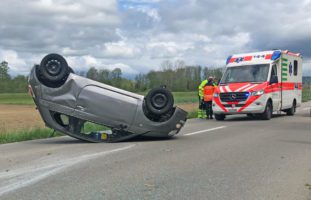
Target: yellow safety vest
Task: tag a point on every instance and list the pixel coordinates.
(201, 88)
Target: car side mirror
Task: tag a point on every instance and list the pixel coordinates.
(274, 79)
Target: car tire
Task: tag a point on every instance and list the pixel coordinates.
(220, 117)
(53, 70)
(159, 101)
(292, 110)
(267, 114)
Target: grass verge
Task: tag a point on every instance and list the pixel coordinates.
(192, 114)
(31, 134)
(41, 133)
(306, 94)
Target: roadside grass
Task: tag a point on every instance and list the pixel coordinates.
(31, 134)
(41, 133)
(16, 99)
(308, 186)
(192, 114)
(306, 94)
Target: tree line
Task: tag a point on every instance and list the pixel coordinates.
(8, 84)
(176, 76)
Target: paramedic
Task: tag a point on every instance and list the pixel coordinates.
(208, 91)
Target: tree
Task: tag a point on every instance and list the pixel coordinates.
(141, 82)
(92, 73)
(116, 73)
(116, 77)
(4, 71)
(19, 84)
(104, 76)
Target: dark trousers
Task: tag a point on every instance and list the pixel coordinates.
(209, 109)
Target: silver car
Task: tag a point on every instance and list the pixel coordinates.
(67, 102)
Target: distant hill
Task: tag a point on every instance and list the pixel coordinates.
(306, 80)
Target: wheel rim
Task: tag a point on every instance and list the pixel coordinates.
(53, 67)
(159, 101)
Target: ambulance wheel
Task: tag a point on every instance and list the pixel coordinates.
(220, 117)
(292, 110)
(267, 114)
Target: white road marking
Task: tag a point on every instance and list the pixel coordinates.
(203, 131)
(11, 181)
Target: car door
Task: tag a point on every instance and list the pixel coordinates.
(275, 88)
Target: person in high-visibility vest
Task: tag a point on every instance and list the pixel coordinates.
(208, 91)
(201, 109)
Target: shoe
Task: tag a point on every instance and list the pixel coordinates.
(211, 117)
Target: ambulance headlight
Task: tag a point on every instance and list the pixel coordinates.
(257, 93)
(215, 95)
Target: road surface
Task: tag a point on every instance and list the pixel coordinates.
(239, 158)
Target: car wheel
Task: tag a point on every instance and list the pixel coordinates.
(159, 101)
(267, 114)
(53, 70)
(220, 117)
(292, 110)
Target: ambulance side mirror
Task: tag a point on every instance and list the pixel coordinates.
(274, 79)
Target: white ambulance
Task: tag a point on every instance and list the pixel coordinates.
(258, 84)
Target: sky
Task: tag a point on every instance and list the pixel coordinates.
(138, 35)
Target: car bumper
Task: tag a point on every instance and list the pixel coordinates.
(255, 106)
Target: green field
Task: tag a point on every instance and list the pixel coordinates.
(16, 99)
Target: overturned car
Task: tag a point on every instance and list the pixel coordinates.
(67, 102)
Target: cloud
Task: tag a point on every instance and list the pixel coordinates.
(51, 25)
(138, 35)
(14, 60)
(120, 50)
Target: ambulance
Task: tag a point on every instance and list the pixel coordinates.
(258, 84)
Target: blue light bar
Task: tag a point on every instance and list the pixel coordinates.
(276, 55)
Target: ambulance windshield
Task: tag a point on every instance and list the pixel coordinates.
(246, 73)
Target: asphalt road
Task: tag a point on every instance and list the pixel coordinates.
(239, 158)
